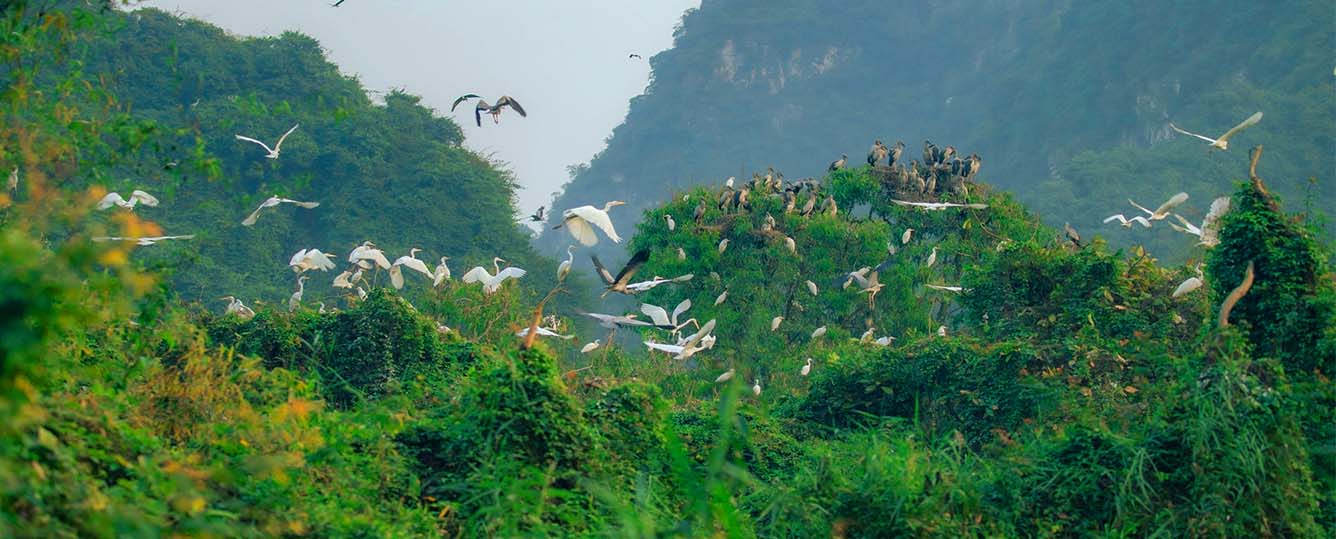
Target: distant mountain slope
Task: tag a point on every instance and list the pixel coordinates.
(391, 172)
(1027, 85)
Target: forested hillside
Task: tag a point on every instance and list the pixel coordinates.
(867, 356)
(393, 173)
(1069, 102)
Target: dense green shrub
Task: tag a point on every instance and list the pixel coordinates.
(1291, 306)
(364, 351)
(939, 384)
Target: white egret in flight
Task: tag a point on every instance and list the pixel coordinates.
(610, 321)
(273, 152)
(955, 289)
(492, 282)
(644, 286)
(136, 197)
(1209, 232)
(580, 222)
(934, 206)
(690, 345)
(545, 332)
(366, 254)
(271, 202)
(144, 240)
(660, 316)
(409, 261)
(1222, 143)
(310, 259)
(1162, 211)
(1127, 223)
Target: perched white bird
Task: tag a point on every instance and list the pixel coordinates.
(273, 152)
(681, 255)
(14, 180)
(295, 300)
(1222, 143)
(409, 261)
(791, 245)
(1162, 211)
(590, 347)
(729, 182)
(955, 289)
(491, 282)
(884, 341)
(819, 332)
(1209, 232)
(1188, 286)
(904, 238)
(867, 336)
(660, 316)
(941, 331)
(672, 225)
(366, 255)
(932, 258)
(811, 287)
(114, 199)
(933, 206)
(564, 268)
(723, 245)
(756, 387)
(807, 369)
(144, 240)
(545, 332)
(271, 202)
(775, 322)
(726, 376)
(721, 298)
(235, 306)
(1127, 223)
(345, 279)
(580, 222)
(310, 259)
(441, 274)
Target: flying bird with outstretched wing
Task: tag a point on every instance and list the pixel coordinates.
(495, 110)
(462, 99)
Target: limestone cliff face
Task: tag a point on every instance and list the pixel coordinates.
(1029, 85)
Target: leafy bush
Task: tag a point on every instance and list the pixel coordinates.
(366, 351)
(939, 384)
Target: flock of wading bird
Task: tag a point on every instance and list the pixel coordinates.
(941, 171)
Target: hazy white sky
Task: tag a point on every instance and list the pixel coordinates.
(564, 60)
